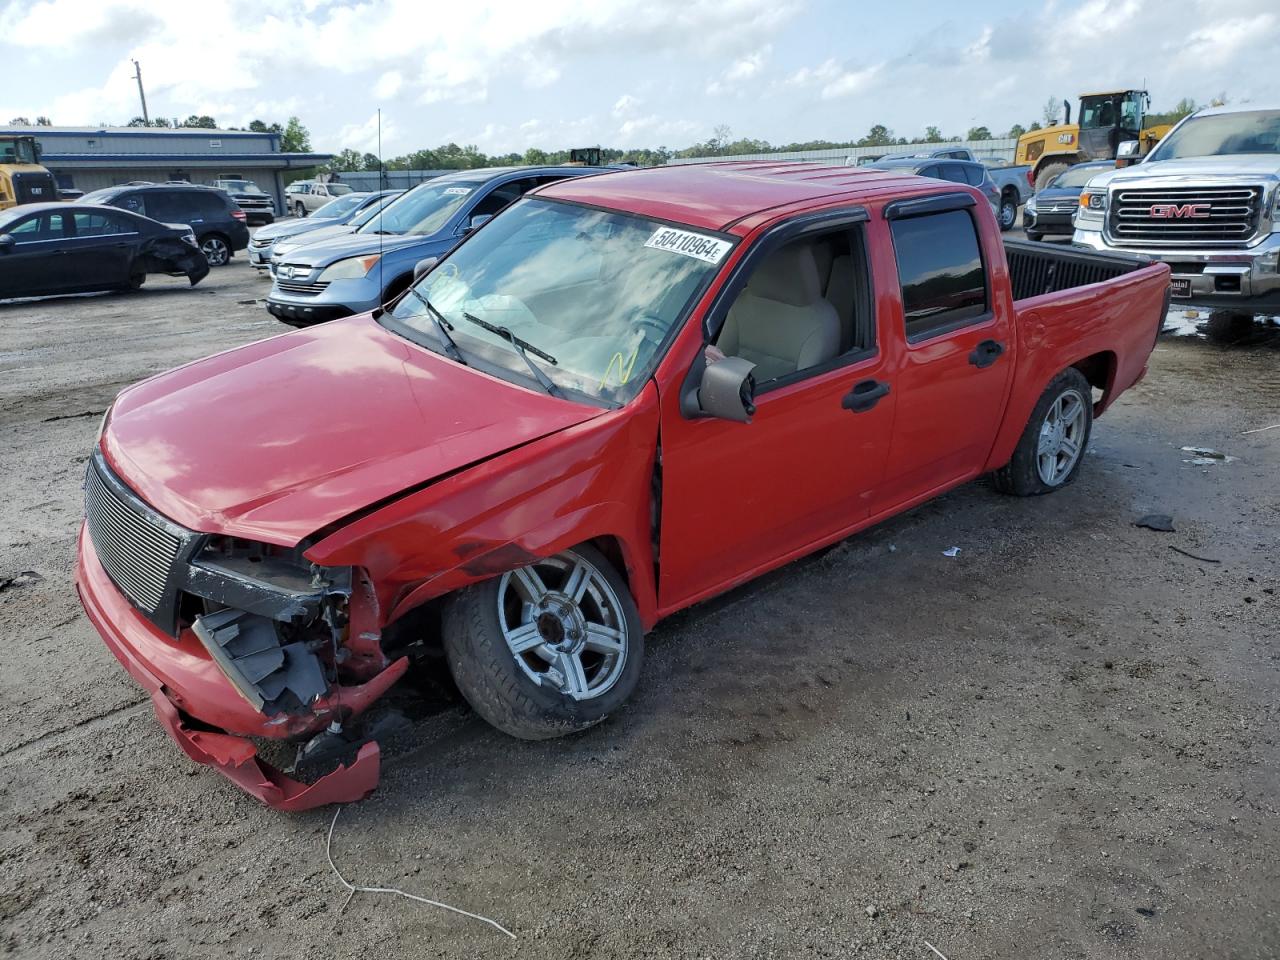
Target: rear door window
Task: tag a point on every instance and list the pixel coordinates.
(100, 225)
(208, 205)
(167, 207)
(940, 270)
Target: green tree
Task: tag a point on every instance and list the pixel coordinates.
(978, 133)
(1016, 131)
(932, 135)
(534, 156)
(371, 161)
(19, 122)
(1035, 125)
(878, 136)
(43, 122)
(202, 121)
(295, 138)
(346, 161)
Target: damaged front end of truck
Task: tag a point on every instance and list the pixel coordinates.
(238, 641)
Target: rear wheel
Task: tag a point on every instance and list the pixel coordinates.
(547, 649)
(216, 249)
(1048, 172)
(137, 277)
(1008, 210)
(299, 210)
(1051, 448)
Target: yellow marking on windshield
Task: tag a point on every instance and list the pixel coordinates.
(624, 368)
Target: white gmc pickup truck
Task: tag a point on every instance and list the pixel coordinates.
(1206, 201)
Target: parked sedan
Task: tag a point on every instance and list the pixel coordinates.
(51, 248)
(344, 215)
(1051, 210)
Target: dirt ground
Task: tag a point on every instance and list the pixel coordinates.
(1059, 743)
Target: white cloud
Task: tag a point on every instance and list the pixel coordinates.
(388, 85)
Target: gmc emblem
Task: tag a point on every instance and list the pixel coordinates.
(1185, 211)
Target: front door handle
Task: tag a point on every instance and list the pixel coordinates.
(864, 395)
(986, 353)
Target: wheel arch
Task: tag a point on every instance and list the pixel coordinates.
(1100, 370)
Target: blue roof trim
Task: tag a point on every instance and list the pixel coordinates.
(177, 157)
(42, 133)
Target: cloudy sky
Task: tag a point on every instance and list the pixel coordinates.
(507, 75)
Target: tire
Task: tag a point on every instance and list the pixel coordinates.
(1008, 210)
(216, 249)
(540, 693)
(137, 277)
(1034, 235)
(299, 210)
(1048, 172)
(1041, 462)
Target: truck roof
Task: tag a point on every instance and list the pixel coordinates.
(715, 196)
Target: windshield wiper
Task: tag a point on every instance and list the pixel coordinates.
(520, 347)
(443, 327)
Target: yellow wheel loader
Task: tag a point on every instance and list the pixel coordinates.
(22, 178)
(1106, 121)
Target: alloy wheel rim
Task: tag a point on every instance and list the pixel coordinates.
(214, 251)
(1007, 212)
(1061, 440)
(564, 626)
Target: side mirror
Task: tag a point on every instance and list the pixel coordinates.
(6, 242)
(1128, 152)
(728, 390)
(424, 266)
(478, 221)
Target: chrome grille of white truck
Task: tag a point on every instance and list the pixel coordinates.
(1184, 216)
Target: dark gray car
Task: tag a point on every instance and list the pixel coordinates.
(957, 171)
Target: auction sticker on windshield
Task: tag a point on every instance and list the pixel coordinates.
(457, 191)
(696, 245)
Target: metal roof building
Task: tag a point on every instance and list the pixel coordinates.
(89, 158)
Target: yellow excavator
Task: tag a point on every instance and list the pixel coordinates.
(22, 178)
(1106, 121)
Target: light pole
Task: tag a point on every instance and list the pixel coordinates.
(141, 93)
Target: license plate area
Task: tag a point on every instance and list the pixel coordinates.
(1180, 287)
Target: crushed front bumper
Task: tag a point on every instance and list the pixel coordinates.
(198, 706)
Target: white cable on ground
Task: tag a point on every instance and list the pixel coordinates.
(353, 889)
(935, 950)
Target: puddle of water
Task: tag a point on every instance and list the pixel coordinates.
(1225, 328)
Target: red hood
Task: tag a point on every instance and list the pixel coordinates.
(276, 439)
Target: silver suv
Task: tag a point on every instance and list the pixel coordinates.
(305, 196)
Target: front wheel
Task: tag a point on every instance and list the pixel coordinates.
(548, 649)
(1008, 211)
(216, 250)
(1051, 449)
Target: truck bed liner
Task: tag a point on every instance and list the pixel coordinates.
(1039, 268)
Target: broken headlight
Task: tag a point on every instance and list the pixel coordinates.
(273, 621)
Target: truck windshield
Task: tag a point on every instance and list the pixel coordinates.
(1251, 131)
(592, 296)
(17, 151)
(240, 186)
(423, 210)
(340, 207)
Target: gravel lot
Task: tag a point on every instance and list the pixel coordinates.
(1060, 743)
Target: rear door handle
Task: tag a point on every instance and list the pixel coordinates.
(986, 353)
(864, 395)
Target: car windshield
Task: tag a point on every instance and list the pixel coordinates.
(1251, 131)
(598, 292)
(340, 207)
(372, 210)
(425, 209)
(338, 189)
(1078, 176)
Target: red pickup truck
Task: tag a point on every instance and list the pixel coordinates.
(623, 395)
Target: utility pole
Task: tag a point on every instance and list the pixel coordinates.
(141, 93)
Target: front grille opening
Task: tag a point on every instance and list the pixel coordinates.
(1227, 284)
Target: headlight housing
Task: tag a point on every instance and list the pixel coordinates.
(1031, 204)
(351, 268)
(1092, 206)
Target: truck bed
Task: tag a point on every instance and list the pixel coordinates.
(1036, 269)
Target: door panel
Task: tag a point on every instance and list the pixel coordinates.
(738, 497)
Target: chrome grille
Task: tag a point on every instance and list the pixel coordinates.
(259, 244)
(294, 286)
(1228, 215)
(136, 552)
